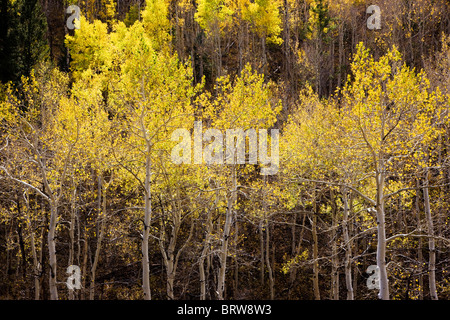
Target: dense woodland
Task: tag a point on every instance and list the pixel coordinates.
(87, 178)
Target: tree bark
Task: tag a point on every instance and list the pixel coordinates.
(206, 249)
(224, 251)
(36, 267)
(348, 248)
(146, 233)
(225, 237)
(431, 241)
(72, 235)
(269, 267)
(419, 253)
(101, 233)
(334, 251)
(236, 263)
(261, 250)
(315, 250)
(296, 252)
(36, 264)
(170, 258)
(52, 250)
(85, 259)
(381, 227)
(169, 254)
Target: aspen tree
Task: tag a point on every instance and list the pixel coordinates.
(246, 103)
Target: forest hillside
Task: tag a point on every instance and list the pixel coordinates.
(224, 149)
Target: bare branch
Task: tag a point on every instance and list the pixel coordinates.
(341, 185)
(25, 184)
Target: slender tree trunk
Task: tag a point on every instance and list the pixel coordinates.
(42, 256)
(85, 259)
(381, 227)
(348, 248)
(205, 252)
(317, 66)
(169, 258)
(341, 54)
(332, 71)
(267, 228)
(72, 235)
(218, 41)
(101, 233)
(201, 268)
(354, 229)
(146, 233)
(206, 249)
(315, 250)
(334, 251)
(170, 269)
(264, 54)
(236, 263)
(23, 263)
(315, 259)
(52, 249)
(225, 237)
(431, 241)
(287, 43)
(36, 265)
(419, 250)
(292, 272)
(36, 268)
(240, 46)
(261, 250)
(294, 268)
(269, 267)
(224, 250)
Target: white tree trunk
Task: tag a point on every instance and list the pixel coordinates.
(169, 255)
(52, 250)
(205, 252)
(146, 233)
(224, 249)
(261, 249)
(296, 252)
(206, 248)
(381, 245)
(101, 234)
(225, 237)
(334, 251)
(267, 229)
(431, 242)
(315, 256)
(348, 248)
(269, 267)
(36, 264)
(419, 253)
(72, 235)
(315, 248)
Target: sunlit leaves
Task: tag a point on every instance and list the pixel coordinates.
(247, 102)
(213, 14)
(90, 47)
(156, 22)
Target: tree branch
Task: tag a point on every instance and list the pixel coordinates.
(341, 185)
(25, 184)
